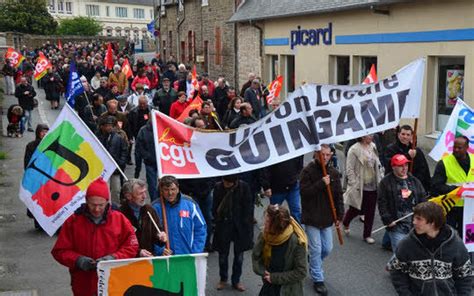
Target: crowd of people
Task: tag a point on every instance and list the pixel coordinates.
(208, 214)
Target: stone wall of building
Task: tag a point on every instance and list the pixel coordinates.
(249, 52)
(202, 36)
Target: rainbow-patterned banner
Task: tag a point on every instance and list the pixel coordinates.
(175, 275)
(66, 161)
(460, 123)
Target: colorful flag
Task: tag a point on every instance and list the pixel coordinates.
(126, 69)
(194, 82)
(42, 66)
(274, 89)
(175, 275)
(60, 44)
(372, 77)
(151, 27)
(447, 201)
(74, 86)
(195, 104)
(460, 123)
(66, 161)
(109, 57)
(16, 58)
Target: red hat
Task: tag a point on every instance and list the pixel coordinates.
(398, 160)
(98, 188)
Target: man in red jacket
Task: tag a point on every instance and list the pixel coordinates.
(95, 232)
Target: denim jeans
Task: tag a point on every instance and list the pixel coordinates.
(292, 197)
(152, 181)
(205, 204)
(395, 238)
(27, 119)
(319, 247)
(236, 266)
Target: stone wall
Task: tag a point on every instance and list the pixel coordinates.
(208, 25)
(249, 52)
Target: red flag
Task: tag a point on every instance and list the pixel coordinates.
(109, 58)
(194, 82)
(195, 104)
(15, 57)
(41, 67)
(60, 44)
(274, 89)
(372, 77)
(126, 69)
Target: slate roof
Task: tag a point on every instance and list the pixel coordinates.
(266, 9)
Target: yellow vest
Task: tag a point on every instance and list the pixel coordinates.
(455, 174)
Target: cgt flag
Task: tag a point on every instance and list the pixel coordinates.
(274, 89)
(15, 57)
(74, 86)
(313, 114)
(372, 77)
(183, 275)
(66, 161)
(42, 66)
(126, 69)
(195, 104)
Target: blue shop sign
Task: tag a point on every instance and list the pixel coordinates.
(311, 36)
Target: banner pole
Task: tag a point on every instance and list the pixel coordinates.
(165, 220)
(413, 143)
(331, 199)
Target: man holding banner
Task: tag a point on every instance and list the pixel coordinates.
(451, 172)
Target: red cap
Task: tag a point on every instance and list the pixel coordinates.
(98, 188)
(398, 160)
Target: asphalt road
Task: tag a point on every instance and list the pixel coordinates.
(355, 268)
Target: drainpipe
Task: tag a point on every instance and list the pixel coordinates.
(180, 22)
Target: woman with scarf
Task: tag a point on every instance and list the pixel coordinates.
(280, 254)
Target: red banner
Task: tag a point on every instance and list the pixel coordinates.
(42, 66)
(126, 69)
(109, 58)
(274, 89)
(15, 57)
(195, 104)
(372, 77)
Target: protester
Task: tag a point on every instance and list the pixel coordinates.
(95, 224)
(139, 92)
(95, 81)
(26, 96)
(8, 72)
(137, 212)
(220, 97)
(117, 77)
(52, 87)
(209, 84)
(186, 225)
(15, 115)
(124, 106)
(245, 116)
(364, 172)
(233, 110)
(117, 148)
(164, 97)
(451, 172)
(279, 256)
(141, 79)
(103, 88)
(397, 194)
(209, 117)
(232, 209)
(145, 151)
(253, 96)
(179, 106)
(247, 84)
(432, 259)
(317, 213)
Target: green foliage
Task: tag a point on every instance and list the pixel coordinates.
(26, 16)
(83, 26)
(3, 155)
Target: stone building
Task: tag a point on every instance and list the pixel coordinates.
(197, 32)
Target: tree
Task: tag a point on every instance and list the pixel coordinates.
(26, 16)
(84, 26)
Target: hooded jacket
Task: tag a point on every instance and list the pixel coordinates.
(31, 146)
(416, 270)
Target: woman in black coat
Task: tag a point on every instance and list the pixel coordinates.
(52, 84)
(233, 216)
(232, 111)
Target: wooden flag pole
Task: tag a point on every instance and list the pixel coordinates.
(413, 143)
(331, 199)
(165, 220)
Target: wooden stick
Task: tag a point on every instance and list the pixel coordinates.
(413, 143)
(398, 220)
(154, 223)
(331, 199)
(165, 221)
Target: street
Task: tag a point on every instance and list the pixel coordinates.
(355, 268)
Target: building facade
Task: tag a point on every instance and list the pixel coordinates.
(125, 18)
(196, 32)
(336, 42)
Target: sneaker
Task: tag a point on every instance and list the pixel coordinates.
(221, 285)
(239, 287)
(347, 230)
(320, 288)
(387, 247)
(30, 129)
(362, 218)
(369, 240)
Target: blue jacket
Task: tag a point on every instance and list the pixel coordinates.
(186, 226)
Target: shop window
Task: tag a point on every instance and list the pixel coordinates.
(273, 67)
(342, 70)
(290, 74)
(450, 87)
(365, 65)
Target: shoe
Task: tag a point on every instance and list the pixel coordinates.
(362, 218)
(387, 248)
(239, 287)
(320, 288)
(221, 285)
(30, 129)
(347, 230)
(369, 240)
